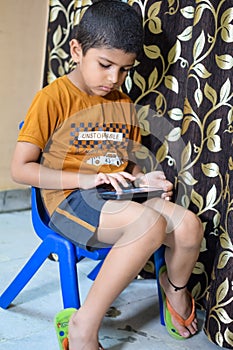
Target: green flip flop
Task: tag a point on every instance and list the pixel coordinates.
(61, 322)
(169, 325)
(168, 314)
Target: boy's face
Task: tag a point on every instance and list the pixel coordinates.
(100, 70)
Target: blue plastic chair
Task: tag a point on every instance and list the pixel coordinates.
(68, 257)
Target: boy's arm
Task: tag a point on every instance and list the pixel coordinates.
(26, 169)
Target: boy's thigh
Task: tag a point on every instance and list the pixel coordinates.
(116, 214)
(174, 214)
(124, 217)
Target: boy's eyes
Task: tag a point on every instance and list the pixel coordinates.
(106, 66)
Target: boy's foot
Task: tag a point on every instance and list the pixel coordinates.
(179, 308)
(61, 323)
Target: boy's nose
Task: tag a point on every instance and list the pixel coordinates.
(114, 76)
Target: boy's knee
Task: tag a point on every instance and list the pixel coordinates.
(193, 230)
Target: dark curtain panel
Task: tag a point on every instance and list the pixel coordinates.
(63, 15)
(185, 79)
(182, 89)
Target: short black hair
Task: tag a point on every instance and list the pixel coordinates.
(111, 24)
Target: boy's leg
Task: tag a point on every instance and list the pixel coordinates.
(138, 231)
(183, 240)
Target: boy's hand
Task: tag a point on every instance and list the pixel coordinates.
(117, 180)
(158, 180)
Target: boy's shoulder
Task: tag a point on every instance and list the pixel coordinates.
(59, 89)
(58, 83)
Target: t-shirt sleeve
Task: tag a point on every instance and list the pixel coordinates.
(40, 121)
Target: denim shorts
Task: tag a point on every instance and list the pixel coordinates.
(77, 217)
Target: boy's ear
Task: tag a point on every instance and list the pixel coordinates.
(75, 50)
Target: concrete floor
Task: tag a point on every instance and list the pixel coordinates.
(28, 323)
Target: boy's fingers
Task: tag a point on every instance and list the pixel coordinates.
(167, 195)
(127, 175)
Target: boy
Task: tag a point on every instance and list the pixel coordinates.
(87, 133)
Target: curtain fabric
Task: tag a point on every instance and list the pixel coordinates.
(63, 16)
(182, 89)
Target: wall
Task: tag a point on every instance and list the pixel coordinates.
(23, 27)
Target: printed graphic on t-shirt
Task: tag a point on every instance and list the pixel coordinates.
(110, 158)
(104, 144)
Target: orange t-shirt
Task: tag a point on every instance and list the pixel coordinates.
(81, 133)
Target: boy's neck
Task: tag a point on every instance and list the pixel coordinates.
(73, 76)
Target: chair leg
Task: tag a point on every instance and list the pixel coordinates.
(159, 262)
(69, 276)
(92, 275)
(25, 275)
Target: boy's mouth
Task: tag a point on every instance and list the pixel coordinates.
(106, 88)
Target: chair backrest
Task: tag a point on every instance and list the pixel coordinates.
(40, 217)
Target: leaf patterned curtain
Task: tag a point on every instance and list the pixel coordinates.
(63, 16)
(182, 88)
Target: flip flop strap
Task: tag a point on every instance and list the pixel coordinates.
(180, 320)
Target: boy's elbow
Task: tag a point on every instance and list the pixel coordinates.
(15, 173)
(22, 169)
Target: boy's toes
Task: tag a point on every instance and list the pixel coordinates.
(193, 328)
(183, 331)
(186, 332)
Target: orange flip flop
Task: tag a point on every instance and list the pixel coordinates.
(169, 312)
